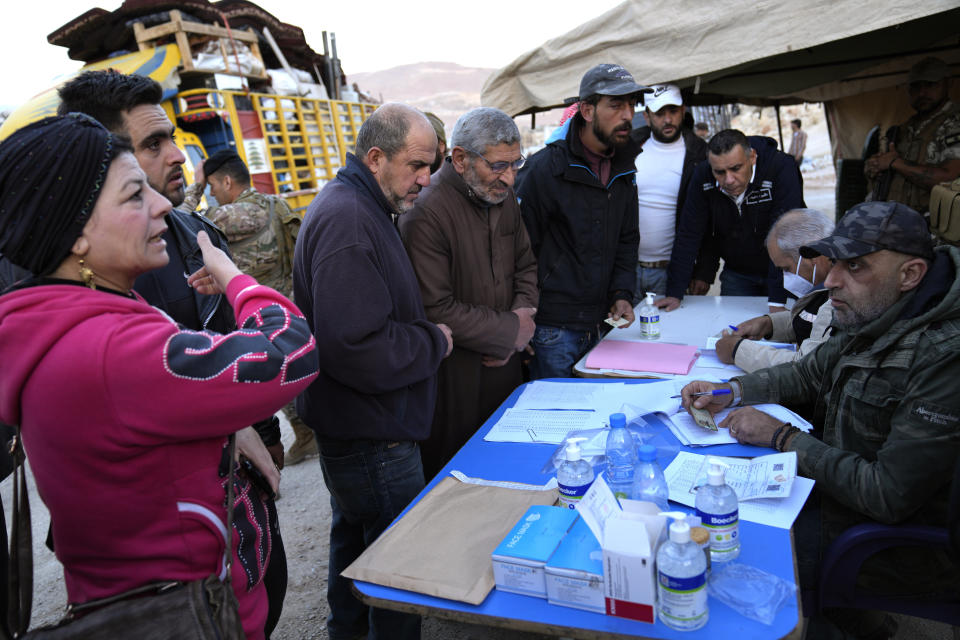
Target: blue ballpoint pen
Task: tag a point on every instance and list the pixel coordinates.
(733, 327)
(715, 392)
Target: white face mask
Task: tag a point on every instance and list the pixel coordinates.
(796, 284)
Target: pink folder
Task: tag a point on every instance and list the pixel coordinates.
(656, 357)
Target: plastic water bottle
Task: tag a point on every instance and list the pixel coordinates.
(574, 476)
(648, 481)
(649, 318)
(719, 512)
(621, 457)
(681, 579)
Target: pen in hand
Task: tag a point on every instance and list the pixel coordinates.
(733, 327)
(715, 392)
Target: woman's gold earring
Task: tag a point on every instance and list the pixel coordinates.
(86, 274)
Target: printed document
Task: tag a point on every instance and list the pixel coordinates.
(768, 488)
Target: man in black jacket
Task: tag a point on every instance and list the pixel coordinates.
(578, 198)
(733, 199)
(665, 165)
(374, 398)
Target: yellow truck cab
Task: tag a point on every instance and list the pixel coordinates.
(220, 93)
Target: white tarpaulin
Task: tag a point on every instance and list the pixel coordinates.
(738, 50)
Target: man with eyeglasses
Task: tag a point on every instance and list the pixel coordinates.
(578, 196)
(477, 275)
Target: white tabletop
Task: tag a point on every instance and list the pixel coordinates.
(697, 318)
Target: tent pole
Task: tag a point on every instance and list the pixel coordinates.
(776, 106)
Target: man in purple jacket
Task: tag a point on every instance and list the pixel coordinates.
(374, 398)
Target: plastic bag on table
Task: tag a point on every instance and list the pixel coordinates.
(751, 592)
(593, 448)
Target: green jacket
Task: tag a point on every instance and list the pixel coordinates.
(261, 230)
(887, 399)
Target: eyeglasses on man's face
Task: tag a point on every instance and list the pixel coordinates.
(502, 165)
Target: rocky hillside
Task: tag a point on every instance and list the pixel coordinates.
(445, 88)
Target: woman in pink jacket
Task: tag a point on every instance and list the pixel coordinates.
(125, 415)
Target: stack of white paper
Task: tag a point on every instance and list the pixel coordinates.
(547, 411)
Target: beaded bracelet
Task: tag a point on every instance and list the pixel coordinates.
(786, 436)
(776, 435)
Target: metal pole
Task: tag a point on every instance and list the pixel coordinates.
(776, 106)
(336, 64)
(328, 67)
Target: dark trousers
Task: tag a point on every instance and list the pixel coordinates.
(733, 283)
(833, 624)
(557, 350)
(370, 483)
(275, 581)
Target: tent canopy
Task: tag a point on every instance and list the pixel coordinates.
(749, 51)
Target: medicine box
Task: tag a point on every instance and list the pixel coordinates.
(575, 571)
(629, 532)
(518, 561)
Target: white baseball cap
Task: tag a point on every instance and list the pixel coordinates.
(663, 94)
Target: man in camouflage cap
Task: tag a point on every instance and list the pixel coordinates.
(884, 397)
(261, 231)
(926, 151)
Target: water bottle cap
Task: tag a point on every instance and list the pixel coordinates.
(617, 420)
(647, 453)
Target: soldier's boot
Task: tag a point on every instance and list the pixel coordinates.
(303, 447)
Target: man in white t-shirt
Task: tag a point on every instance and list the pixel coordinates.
(664, 166)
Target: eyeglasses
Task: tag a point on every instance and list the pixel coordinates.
(501, 166)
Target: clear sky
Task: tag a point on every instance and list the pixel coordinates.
(371, 36)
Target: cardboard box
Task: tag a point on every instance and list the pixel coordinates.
(518, 561)
(574, 573)
(629, 533)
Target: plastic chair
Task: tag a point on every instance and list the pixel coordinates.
(840, 567)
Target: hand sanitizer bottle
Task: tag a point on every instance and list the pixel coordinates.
(681, 578)
(574, 476)
(649, 318)
(717, 507)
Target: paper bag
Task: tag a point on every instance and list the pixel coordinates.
(442, 546)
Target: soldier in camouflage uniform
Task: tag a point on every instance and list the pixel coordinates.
(927, 149)
(884, 391)
(261, 231)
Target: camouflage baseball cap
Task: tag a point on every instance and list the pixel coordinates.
(872, 226)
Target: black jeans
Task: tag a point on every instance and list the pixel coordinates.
(370, 483)
(275, 582)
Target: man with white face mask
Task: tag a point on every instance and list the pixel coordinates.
(808, 323)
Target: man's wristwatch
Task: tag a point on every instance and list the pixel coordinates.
(736, 391)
